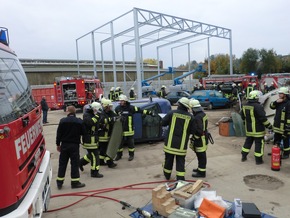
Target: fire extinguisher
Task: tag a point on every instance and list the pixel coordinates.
(276, 158)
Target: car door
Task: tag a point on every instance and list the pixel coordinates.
(219, 99)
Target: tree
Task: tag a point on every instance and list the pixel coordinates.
(269, 62)
(249, 61)
(150, 61)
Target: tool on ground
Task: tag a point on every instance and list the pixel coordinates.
(145, 213)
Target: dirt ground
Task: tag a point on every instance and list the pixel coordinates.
(226, 174)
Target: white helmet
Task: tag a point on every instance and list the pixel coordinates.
(96, 106)
(283, 90)
(234, 85)
(112, 89)
(193, 103)
(163, 87)
(107, 103)
(123, 98)
(118, 88)
(184, 101)
(132, 88)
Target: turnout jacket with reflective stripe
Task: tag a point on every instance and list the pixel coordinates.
(200, 131)
(255, 119)
(106, 125)
(181, 125)
(279, 119)
(90, 138)
(127, 112)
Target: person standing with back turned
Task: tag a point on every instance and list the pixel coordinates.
(44, 108)
(68, 141)
(180, 124)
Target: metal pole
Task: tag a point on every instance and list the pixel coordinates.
(78, 62)
(172, 63)
(94, 55)
(208, 56)
(137, 52)
(124, 68)
(113, 54)
(103, 65)
(188, 53)
(158, 67)
(231, 54)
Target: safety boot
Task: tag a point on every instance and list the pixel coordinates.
(131, 157)
(244, 156)
(111, 164)
(77, 185)
(259, 160)
(102, 162)
(118, 157)
(96, 174)
(195, 170)
(199, 174)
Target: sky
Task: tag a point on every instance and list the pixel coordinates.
(40, 29)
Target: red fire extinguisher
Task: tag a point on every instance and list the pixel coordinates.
(276, 158)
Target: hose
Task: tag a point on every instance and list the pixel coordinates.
(95, 193)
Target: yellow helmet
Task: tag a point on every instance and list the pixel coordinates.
(254, 94)
(184, 101)
(123, 98)
(193, 103)
(283, 90)
(107, 103)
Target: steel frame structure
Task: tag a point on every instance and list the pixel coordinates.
(151, 28)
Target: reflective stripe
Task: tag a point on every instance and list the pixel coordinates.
(167, 171)
(201, 169)
(60, 178)
(131, 149)
(75, 179)
(246, 150)
(180, 173)
(257, 154)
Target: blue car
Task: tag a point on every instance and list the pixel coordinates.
(149, 128)
(210, 99)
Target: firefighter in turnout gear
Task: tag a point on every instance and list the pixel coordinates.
(162, 93)
(279, 120)
(132, 94)
(180, 123)
(91, 120)
(255, 122)
(68, 137)
(284, 122)
(111, 95)
(118, 92)
(126, 111)
(107, 117)
(199, 140)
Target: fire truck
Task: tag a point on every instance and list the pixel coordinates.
(242, 79)
(24, 161)
(277, 79)
(77, 90)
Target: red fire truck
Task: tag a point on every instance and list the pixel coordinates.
(77, 90)
(38, 91)
(278, 79)
(24, 161)
(242, 79)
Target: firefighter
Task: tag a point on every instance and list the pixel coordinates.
(249, 89)
(118, 92)
(162, 93)
(126, 111)
(111, 95)
(272, 87)
(132, 94)
(199, 140)
(180, 123)
(68, 136)
(266, 88)
(107, 118)
(286, 150)
(255, 122)
(279, 120)
(90, 140)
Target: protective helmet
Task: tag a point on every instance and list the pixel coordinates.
(283, 90)
(118, 88)
(107, 103)
(254, 94)
(193, 103)
(112, 89)
(132, 88)
(96, 106)
(184, 101)
(163, 87)
(234, 85)
(103, 100)
(265, 84)
(123, 98)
